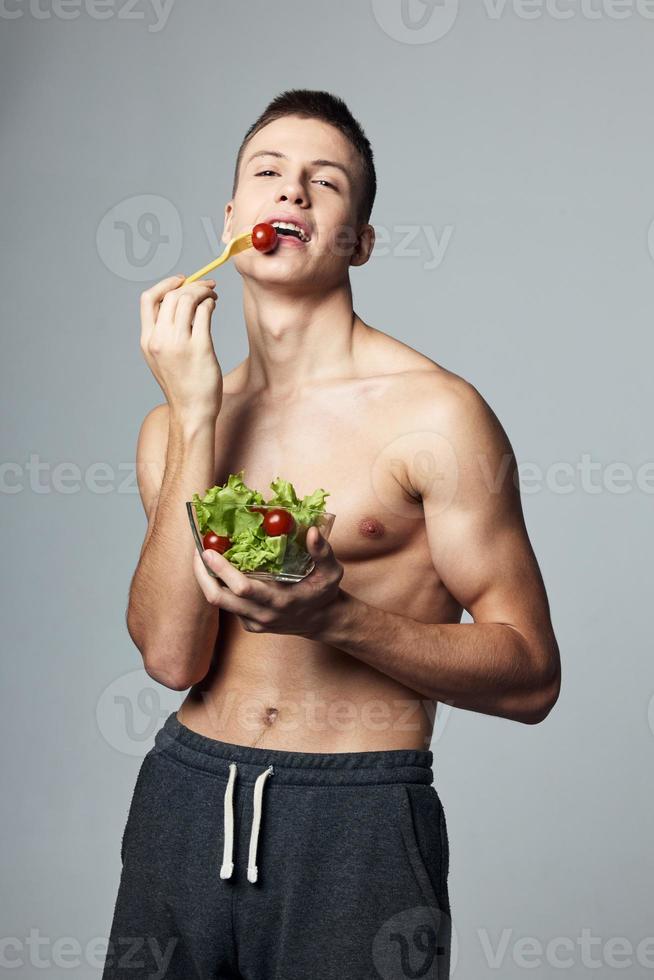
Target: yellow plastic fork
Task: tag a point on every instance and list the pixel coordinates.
(238, 244)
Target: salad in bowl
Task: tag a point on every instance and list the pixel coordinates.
(265, 539)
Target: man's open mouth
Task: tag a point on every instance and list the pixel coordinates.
(288, 228)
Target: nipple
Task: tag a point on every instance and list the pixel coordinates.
(370, 527)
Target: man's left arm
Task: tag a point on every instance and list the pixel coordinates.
(507, 661)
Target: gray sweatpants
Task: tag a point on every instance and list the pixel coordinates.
(263, 864)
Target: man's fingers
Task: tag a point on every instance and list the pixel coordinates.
(212, 589)
(240, 595)
(241, 586)
(201, 331)
(319, 544)
(151, 298)
(188, 300)
(191, 294)
(163, 298)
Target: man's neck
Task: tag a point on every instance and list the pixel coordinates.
(298, 341)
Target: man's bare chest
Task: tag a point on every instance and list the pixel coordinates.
(348, 448)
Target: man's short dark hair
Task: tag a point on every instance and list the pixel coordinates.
(314, 104)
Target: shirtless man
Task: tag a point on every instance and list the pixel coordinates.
(330, 685)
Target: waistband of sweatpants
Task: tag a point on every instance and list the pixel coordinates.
(299, 768)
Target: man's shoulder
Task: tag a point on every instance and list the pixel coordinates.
(437, 396)
(404, 365)
(443, 409)
(430, 397)
(455, 433)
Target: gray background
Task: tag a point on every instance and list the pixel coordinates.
(530, 139)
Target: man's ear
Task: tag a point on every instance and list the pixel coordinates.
(227, 226)
(364, 245)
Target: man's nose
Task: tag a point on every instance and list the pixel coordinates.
(292, 191)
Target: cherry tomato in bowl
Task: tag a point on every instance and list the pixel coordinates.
(278, 521)
(264, 237)
(216, 542)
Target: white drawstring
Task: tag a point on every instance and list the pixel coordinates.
(256, 820)
(228, 846)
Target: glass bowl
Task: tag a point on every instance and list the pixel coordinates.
(297, 563)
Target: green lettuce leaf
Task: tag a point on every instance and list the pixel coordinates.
(305, 511)
(223, 510)
(255, 549)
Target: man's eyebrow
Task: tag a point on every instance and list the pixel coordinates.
(331, 163)
(314, 163)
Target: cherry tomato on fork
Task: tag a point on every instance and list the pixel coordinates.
(264, 237)
(216, 542)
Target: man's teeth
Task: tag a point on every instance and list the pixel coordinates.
(291, 227)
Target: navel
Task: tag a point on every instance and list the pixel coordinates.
(269, 716)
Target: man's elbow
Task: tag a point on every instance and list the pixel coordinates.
(542, 699)
(163, 673)
(174, 682)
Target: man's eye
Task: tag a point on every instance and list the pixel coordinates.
(321, 180)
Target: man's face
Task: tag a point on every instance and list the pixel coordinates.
(279, 177)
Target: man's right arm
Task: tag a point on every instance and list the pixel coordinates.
(168, 617)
